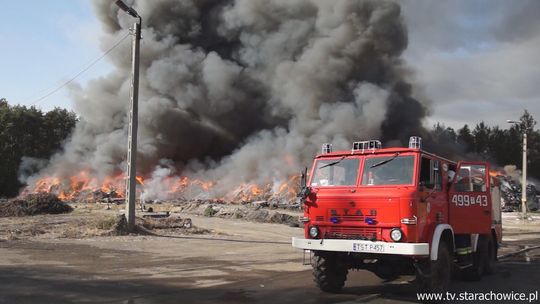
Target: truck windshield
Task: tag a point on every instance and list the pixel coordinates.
(388, 170)
(330, 172)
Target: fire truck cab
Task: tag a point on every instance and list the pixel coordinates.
(398, 211)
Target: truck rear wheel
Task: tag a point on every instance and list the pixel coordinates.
(329, 272)
(485, 259)
(491, 262)
(440, 272)
(476, 270)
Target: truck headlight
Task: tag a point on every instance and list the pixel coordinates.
(396, 235)
(314, 231)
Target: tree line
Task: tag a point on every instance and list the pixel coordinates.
(498, 146)
(28, 132)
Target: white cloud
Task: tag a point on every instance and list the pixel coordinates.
(472, 63)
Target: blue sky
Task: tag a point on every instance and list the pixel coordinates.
(474, 60)
(44, 44)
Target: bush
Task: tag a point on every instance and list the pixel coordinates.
(209, 211)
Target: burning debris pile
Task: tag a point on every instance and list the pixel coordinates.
(33, 204)
(80, 188)
(237, 96)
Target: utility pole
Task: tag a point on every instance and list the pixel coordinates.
(524, 181)
(131, 169)
(523, 171)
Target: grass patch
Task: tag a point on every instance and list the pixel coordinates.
(209, 211)
(106, 223)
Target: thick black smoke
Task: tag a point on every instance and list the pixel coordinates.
(246, 90)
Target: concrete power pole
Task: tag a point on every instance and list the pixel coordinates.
(524, 181)
(131, 169)
(524, 171)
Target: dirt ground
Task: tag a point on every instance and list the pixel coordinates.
(70, 258)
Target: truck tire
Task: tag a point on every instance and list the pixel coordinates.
(491, 257)
(485, 259)
(440, 272)
(329, 272)
(475, 272)
(387, 272)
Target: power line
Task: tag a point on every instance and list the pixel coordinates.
(81, 72)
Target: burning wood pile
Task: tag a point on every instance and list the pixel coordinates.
(81, 187)
(84, 188)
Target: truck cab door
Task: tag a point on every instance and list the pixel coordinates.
(470, 199)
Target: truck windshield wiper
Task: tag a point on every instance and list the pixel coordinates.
(386, 161)
(333, 163)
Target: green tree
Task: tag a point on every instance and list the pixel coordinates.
(28, 132)
(57, 126)
(443, 134)
(526, 125)
(533, 143)
(481, 134)
(527, 122)
(499, 146)
(465, 138)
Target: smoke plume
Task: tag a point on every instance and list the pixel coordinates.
(244, 91)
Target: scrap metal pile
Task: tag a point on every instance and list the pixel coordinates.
(511, 195)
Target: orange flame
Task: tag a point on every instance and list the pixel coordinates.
(83, 186)
(495, 173)
(79, 185)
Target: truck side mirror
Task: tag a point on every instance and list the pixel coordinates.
(303, 179)
(304, 189)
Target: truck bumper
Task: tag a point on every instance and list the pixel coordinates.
(411, 249)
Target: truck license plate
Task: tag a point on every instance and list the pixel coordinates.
(361, 247)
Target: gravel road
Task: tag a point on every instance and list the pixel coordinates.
(239, 262)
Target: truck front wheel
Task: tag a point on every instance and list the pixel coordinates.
(386, 271)
(440, 272)
(329, 271)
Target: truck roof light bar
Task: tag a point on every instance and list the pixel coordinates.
(326, 148)
(367, 145)
(415, 142)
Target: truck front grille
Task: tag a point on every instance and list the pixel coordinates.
(359, 233)
(350, 218)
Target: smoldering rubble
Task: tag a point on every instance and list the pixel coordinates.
(243, 91)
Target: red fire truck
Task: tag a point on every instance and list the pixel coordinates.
(399, 211)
